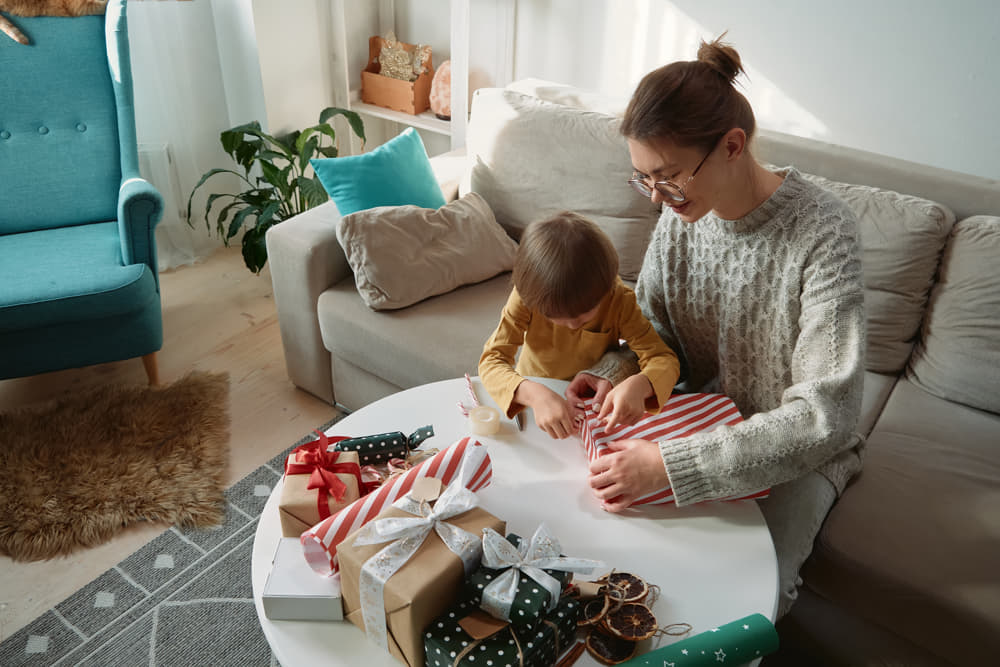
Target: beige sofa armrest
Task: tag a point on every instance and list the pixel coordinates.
(306, 259)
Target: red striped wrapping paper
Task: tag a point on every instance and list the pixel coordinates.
(320, 542)
(682, 415)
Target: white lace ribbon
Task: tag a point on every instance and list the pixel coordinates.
(407, 534)
(531, 559)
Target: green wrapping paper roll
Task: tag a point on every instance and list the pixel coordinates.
(381, 447)
(735, 643)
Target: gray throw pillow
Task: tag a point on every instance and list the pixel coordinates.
(403, 254)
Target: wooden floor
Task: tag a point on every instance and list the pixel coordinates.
(217, 316)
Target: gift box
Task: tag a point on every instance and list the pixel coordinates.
(293, 592)
(522, 582)
(410, 97)
(682, 415)
(467, 456)
(403, 569)
(464, 636)
(317, 484)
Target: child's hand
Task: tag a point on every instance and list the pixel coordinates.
(552, 413)
(626, 403)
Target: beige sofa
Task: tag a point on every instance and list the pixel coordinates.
(905, 569)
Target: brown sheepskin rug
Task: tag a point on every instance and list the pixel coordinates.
(78, 470)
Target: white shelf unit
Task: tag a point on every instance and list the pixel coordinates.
(351, 47)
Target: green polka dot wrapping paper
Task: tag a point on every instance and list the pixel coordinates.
(381, 447)
(447, 644)
(735, 643)
(531, 600)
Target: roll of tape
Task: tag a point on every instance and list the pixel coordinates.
(484, 420)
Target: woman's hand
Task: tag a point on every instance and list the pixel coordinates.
(626, 403)
(632, 470)
(585, 386)
(552, 414)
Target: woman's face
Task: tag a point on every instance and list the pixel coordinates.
(666, 161)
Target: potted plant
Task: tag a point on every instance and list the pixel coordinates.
(278, 181)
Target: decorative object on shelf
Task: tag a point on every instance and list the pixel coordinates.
(440, 99)
(398, 75)
(280, 188)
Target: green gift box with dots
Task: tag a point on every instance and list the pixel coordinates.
(531, 600)
(448, 644)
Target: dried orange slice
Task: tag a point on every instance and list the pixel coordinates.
(633, 588)
(632, 621)
(593, 610)
(607, 649)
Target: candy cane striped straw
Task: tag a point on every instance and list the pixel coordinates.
(468, 457)
(472, 394)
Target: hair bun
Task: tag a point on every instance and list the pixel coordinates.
(722, 58)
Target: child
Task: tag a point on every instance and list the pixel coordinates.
(568, 307)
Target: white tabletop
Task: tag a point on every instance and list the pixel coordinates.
(714, 563)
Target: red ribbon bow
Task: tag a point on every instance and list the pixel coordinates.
(315, 459)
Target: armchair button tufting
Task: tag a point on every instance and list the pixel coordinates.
(80, 127)
(43, 130)
(4, 134)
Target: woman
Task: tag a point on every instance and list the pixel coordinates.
(753, 277)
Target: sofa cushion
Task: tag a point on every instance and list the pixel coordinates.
(394, 174)
(71, 274)
(912, 544)
(902, 237)
(439, 338)
(531, 159)
(958, 354)
(403, 254)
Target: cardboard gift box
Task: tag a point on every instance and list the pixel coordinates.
(465, 636)
(314, 490)
(420, 590)
(293, 592)
(410, 97)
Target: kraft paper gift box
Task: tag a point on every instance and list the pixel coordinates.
(293, 592)
(308, 494)
(465, 636)
(419, 591)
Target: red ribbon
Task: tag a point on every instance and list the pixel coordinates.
(315, 459)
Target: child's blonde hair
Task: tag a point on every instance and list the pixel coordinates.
(564, 265)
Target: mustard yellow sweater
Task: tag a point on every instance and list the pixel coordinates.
(554, 351)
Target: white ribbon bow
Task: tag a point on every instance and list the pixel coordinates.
(531, 559)
(408, 533)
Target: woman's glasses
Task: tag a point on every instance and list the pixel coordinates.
(668, 189)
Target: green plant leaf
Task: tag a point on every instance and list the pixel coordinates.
(254, 249)
(307, 152)
(207, 175)
(312, 191)
(238, 219)
(357, 125)
(328, 151)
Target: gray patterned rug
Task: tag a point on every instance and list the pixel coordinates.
(183, 599)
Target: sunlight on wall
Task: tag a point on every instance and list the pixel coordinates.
(641, 35)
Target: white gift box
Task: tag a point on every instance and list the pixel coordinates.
(294, 592)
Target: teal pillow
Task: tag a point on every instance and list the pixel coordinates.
(395, 174)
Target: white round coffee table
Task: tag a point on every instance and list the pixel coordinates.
(714, 563)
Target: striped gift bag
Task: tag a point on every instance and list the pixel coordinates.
(466, 460)
(682, 415)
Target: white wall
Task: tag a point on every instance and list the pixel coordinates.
(914, 79)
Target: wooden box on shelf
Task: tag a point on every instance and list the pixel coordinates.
(410, 97)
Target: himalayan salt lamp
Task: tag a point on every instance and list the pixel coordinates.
(441, 91)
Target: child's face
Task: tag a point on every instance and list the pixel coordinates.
(578, 321)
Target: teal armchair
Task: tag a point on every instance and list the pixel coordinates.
(78, 274)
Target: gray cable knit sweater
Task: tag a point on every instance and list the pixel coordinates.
(767, 309)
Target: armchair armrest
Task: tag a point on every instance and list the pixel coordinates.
(140, 208)
(306, 259)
